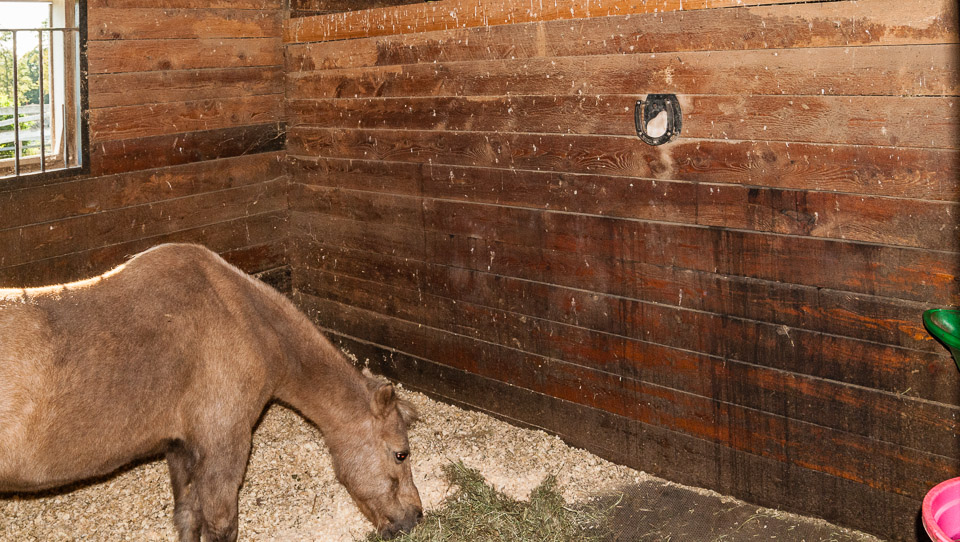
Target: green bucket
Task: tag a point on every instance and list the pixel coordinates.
(944, 324)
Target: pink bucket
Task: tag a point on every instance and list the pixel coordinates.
(941, 511)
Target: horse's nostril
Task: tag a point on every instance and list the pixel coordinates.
(419, 515)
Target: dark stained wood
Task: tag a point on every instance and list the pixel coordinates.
(887, 22)
(86, 232)
(830, 404)
(538, 305)
(914, 173)
(79, 197)
(886, 71)
(901, 222)
(655, 449)
(739, 308)
(170, 150)
(140, 56)
(451, 14)
(895, 469)
(140, 121)
(808, 282)
(305, 8)
(188, 4)
(185, 98)
(116, 90)
(932, 122)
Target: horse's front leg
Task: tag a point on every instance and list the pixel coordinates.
(182, 462)
(219, 475)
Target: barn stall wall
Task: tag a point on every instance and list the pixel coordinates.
(738, 309)
(186, 145)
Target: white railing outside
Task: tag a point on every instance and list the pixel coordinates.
(29, 136)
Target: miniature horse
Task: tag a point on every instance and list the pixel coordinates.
(177, 352)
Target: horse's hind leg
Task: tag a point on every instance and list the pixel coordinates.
(186, 505)
(219, 476)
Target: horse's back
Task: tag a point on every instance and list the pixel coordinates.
(127, 359)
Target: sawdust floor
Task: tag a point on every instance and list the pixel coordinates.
(660, 511)
(290, 493)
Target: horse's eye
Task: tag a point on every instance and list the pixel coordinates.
(401, 456)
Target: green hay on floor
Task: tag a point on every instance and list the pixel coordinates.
(479, 513)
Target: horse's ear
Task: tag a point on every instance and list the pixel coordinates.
(408, 412)
(384, 398)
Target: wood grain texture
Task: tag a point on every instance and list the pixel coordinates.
(874, 121)
(253, 239)
(473, 204)
(162, 87)
(110, 23)
(140, 121)
(839, 24)
(166, 55)
(119, 156)
(913, 173)
(914, 70)
(828, 403)
(890, 468)
(660, 451)
(185, 118)
(538, 305)
(452, 14)
(656, 278)
(77, 197)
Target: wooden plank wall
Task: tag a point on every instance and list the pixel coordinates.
(738, 309)
(306, 8)
(186, 144)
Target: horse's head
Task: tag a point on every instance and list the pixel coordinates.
(373, 463)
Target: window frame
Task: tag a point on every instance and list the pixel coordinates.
(36, 177)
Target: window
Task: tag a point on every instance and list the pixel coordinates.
(42, 87)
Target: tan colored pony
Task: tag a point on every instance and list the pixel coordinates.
(177, 353)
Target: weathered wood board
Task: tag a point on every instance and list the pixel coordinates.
(187, 143)
(739, 308)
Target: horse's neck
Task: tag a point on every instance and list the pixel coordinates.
(320, 382)
(315, 377)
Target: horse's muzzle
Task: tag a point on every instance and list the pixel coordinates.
(413, 517)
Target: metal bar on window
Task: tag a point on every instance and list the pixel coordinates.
(64, 156)
(43, 147)
(16, 111)
(66, 143)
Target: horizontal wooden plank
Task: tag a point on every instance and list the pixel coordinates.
(241, 238)
(158, 23)
(76, 197)
(165, 55)
(653, 449)
(886, 121)
(187, 4)
(449, 14)
(827, 403)
(887, 467)
(919, 276)
(837, 24)
(930, 376)
(913, 70)
(139, 121)
(912, 223)
(784, 293)
(115, 90)
(912, 173)
(122, 156)
(301, 8)
(49, 240)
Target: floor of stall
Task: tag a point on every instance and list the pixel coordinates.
(657, 511)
